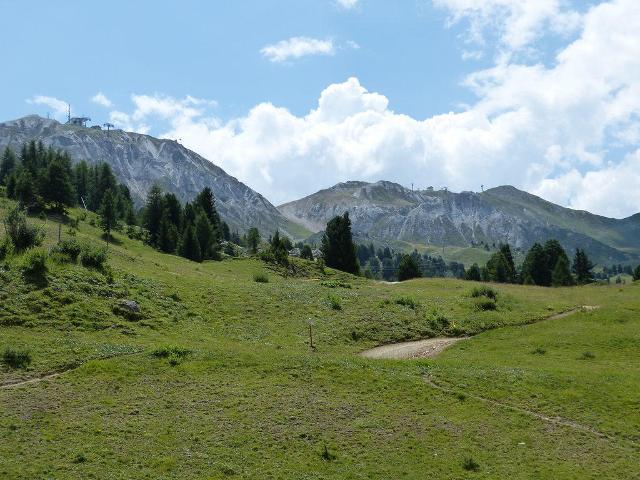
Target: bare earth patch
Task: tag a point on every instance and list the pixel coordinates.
(418, 349)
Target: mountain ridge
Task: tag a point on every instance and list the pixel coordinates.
(140, 160)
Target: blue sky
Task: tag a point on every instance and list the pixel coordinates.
(292, 96)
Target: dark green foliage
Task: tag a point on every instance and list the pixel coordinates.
(334, 302)
(34, 263)
(154, 210)
(561, 275)
(16, 358)
(582, 267)
(253, 239)
(306, 252)
(338, 248)
(21, 234)
(498, 269)
(25, 189)
(407, 302)
(408, 268)
(92, 256)
(470, 465)
(261, 278)
(189, 244)
(277, 252)
(536, 266)
(473, 273)
(484, 291)
(505, 249)
(168, 350)
(587, 356)
(108, 213)
(68, 247)
(7, 164)
(484, 304)
(57, 188)
(326, 455)
(636, 273)
(11, 186)
(539, 351)
(5, 248)
(167, 235)
(206, 236)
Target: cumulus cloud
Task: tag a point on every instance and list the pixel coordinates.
(58, 106)
(297, 47)
(101, 99)
(556, 130)
(347, 4)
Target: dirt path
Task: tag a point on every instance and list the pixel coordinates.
(418, 349)
(431, 347)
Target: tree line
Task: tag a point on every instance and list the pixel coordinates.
(44, 179)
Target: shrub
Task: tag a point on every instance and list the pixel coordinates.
(70, 248)
(438, 322)
(485, 304)
(407, 302)
(260, 278)
(16, 358)
(168, 350)
(326, 455)
(92, 256)
(5, 248)
(588, 356)
(34, 262)
(334, 302)
(22, 235)
(539, 351)
(484, 291)
(335, 284)
(470, 465)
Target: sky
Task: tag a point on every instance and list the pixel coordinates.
(293, 96)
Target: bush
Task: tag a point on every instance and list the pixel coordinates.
(335, 284)
(16, 358)
(93, 257)
(334, 302)
(587, 356)
(407, 302)
(470, 465)
(539, 351)
(484, 291)
(485, 304)
(5, 248)
(22, 235)
(34, 262)
(69, 248)
(260, 278)
(438, 322)
(173, 353)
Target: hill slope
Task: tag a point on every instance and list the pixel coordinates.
(385, 211)
(141, 160)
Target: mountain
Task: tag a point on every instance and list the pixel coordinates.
(142, 160)
(388, 212)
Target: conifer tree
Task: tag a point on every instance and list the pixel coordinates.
(253, 239)
(535, 267)
(636, 273)
(561, 275)
(338, 248)
(81, 180)
(57, 187)
(108, 213)
(24, 190)
(7, 165)
(11, 186)
(189, 245)
(582, 267)
(167, 235)
(204, 233)
(408, 268)
(473, 273)
(153, 214)
(498, 268)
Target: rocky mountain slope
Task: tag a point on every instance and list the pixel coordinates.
(387, 212)
(141, 160)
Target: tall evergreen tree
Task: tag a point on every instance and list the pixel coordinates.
(7, 165)
(108, 213)
(408, 268)
(189, 245)
(24, 191)
(81, 180)
(167, 235)
(473, 273)
(174, 209)
(11, 186)
(561, 275)
(554, 251)
(204, 233)
(582, 267)
(57, 189)
(153, 212)
(338, 248)
(253, 239)
(636, 273)
(505, 249)
(498, 268)
(206, 201)
(535, 267)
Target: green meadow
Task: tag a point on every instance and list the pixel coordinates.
(215, 376)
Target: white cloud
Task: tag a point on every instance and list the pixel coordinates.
(297, 47)
(101, 99)
(556, 130)
(58, 106)
(347, 4)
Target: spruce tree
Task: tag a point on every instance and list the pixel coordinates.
(57, 188)
(7, 165)
(167, 235)
(11, 186)
(189, 245)
(306, 252)
(24, 190)
(554, 251)
(582, 267)
(636, 273)
(505, 249)
(498, 268)
(204, 233)
(338, 248)
(473, 273)
(408, 268)
(81, 180)
(206, 201)
(253, 239)
(535, 267)
(561, 276)
(153, 212)
(108, 213)
(173, 209)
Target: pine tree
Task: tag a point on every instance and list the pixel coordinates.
(636, 273)
(57, 188)
(306, 252)
(167, 235)
(582, 267)
(338, 248)
(561, 276)
(473, 273)
(253, 239)
(7, 165)
(81, 180)
(153, 214)
(535, 267)
(498, 268)
(554, 251)
(204, 233)
(505, 249)
(408, 268)
(11, 186)
(206, 201)
(24, 190)
(108, 213)
(173, 209)
(189, 245)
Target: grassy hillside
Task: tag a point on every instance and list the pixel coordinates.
(215, 378)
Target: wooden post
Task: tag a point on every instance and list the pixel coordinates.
(311, 336)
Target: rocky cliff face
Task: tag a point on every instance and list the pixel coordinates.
(142, 160)
(386, 211)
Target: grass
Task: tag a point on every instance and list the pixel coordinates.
(216, 379)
